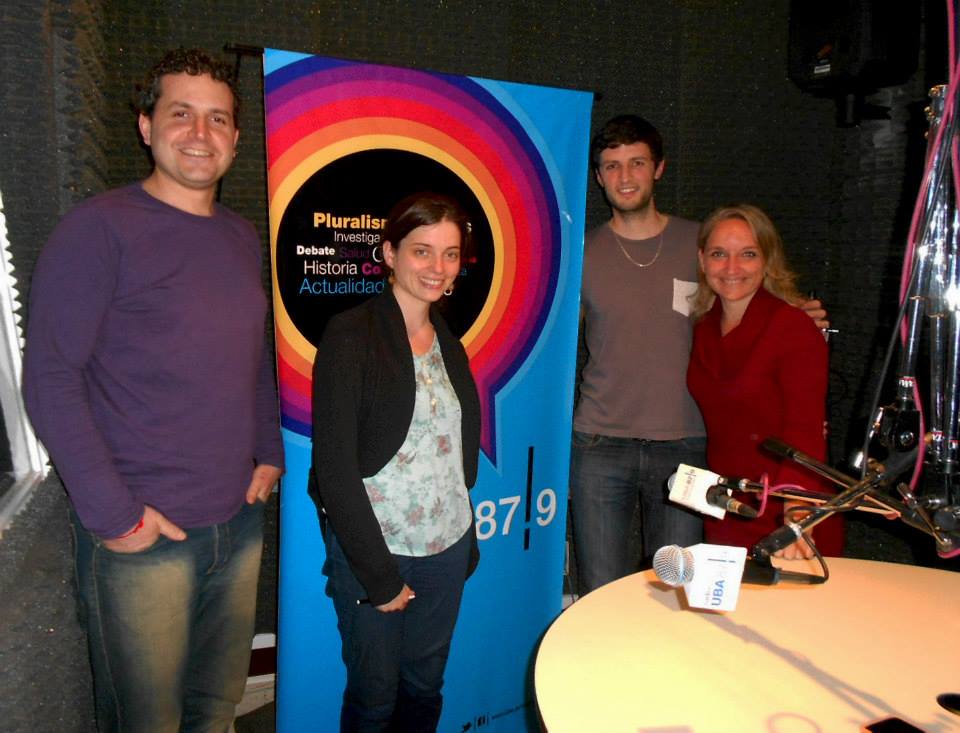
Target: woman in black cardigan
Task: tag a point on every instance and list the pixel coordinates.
(396, 432)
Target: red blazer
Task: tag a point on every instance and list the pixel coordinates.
(767, 378)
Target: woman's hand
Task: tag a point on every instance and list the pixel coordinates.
(799, 550)
(399, 602)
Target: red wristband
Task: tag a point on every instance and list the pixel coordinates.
(133, 531)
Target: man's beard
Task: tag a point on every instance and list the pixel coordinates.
(638, 207)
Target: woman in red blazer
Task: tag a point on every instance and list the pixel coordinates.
(758, 370)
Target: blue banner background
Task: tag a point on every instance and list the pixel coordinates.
(516, 591)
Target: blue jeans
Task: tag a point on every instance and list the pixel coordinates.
(607, 476)
(395, 661)
(169, 628)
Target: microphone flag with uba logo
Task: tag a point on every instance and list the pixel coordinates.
(710, 574)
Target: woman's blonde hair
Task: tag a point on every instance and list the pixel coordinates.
(778, 278)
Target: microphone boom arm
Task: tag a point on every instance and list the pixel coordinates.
(850, 498)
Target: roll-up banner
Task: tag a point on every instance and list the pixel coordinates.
(345, 141)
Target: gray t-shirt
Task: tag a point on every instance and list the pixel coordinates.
(638, 335)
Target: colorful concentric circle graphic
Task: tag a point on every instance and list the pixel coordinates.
(319, 110)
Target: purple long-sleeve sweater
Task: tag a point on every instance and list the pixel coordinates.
(145, 373)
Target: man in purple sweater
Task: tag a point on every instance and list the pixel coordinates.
(147, 377)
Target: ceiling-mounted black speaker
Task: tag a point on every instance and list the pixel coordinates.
(848, 46)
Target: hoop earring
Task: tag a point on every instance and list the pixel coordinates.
(449, 291)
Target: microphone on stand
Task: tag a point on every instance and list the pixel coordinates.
(854, 493)
(707, 492)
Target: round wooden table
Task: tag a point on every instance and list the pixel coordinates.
(876, 640)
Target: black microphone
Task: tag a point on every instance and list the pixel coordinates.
(778, 447)
(676, 566)
(718, 497)
(777, 540)
(762, 572)
(781, 449)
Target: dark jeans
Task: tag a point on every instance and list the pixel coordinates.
(169, 628)
(395, 661)
(607, 476)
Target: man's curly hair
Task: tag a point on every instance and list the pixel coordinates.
(193, 61)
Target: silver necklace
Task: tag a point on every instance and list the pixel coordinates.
(627, 254)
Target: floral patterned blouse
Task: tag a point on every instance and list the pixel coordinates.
(419, 497)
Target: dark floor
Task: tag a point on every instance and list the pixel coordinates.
(261, 720)
(44, 678)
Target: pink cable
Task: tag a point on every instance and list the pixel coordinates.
(921, 198)
(765, 480)
(780, 487)
(798, 487)
(951, 41)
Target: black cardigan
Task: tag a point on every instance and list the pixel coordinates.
(364, 389)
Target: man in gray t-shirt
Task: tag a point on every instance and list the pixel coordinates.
(634, 421)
